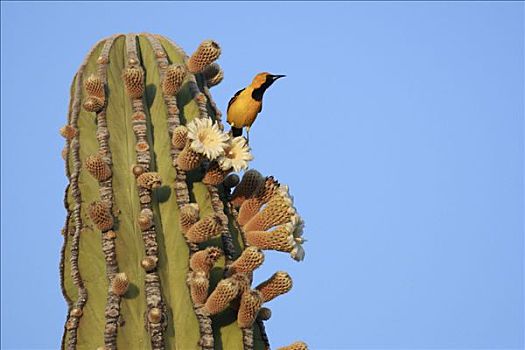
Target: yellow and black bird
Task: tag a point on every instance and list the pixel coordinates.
(247, 103)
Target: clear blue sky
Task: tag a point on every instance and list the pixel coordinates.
(399, 128)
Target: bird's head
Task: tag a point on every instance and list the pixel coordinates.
(265, 79)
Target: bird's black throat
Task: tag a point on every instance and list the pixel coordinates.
(258, 93)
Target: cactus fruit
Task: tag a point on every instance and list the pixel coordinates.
(145, 219)
(204, 229)
(203, 260)
(242, 280)
(68, 132)
(155, 315)
(173, 79)
(149, 180)
(101, 216)
(264, 314)
(94, 86)
(278, 239)
(199, 283)
(180, 136)
(278, 211)
(276, 285)
(93, 104)
(140, 119)
(149, 263)
(214, 175)
(207, 52)
(134, 81)
(189, 215)
(250, 259)
(76, 312)
(221, 296)
(251, 180)
(213, 74)
(188, 159)
(250, 207)
(120, 283)
(251, 302)
(97, 167)
(284, 238)
(137, 170)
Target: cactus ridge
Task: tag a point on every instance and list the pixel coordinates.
(134, 82)
(128, 152)
(73, 165)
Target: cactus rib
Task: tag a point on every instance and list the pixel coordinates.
(218, 207)
(181, 189)
(73, 151)
(152, 279)
(65, 229)
(112, 309)
(227, 240)
(69, 335)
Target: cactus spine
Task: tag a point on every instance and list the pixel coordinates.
(133, 273)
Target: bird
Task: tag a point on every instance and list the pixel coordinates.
(246, 104)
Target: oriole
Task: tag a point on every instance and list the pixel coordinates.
(247, 103)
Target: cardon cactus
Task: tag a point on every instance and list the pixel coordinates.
(154, 255)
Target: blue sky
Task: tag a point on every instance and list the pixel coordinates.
(399, 128)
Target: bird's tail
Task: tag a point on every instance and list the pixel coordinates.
(236, 131)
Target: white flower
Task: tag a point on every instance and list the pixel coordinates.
(284, 191)
(236, 155)
(283, 197)
(295, 228)
(206, 138)
(297, 253)
(297, 223)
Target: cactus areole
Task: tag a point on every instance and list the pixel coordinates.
(154, 254)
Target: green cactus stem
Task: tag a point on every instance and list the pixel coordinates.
(125, 264)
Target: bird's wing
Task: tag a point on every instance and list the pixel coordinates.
(234, 98)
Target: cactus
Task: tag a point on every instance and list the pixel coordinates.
(158, 230)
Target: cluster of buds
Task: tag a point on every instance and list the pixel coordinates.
(173, 79)
(264, 204)
(95, 92)
(207, 52)
(201, 262)
(262, 194)
(133, 77)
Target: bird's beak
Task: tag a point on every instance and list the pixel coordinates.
(277, 76)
